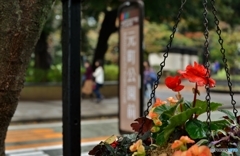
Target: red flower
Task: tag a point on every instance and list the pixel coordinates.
(174, 83)
(114, 144)
(198, 74)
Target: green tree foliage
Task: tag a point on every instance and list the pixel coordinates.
(231, 41)
(156, 37)
(166, 10)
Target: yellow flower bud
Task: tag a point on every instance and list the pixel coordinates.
(157, 122)
(155, 129)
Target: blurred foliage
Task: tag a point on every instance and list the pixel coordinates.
(221, 75)
(54, 74)
(166, 11)
(156, 37)
(231, 42)
(159, 19)
(111, 72)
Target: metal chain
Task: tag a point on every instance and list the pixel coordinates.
(222, 50)
(207, 64)
(162, 64)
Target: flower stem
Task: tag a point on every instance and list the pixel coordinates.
(195, 95)
(181, 107)
(194, 99)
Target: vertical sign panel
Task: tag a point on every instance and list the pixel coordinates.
(130, 63)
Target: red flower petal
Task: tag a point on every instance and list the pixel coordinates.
(197, 74)
(174, 83)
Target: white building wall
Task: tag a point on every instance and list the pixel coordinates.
(173, 62)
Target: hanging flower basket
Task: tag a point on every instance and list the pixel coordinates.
(172, 127)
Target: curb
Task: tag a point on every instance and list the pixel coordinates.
(88, 117)
(224, 91)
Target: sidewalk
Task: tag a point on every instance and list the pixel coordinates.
(28, 111)
(52, 110)
(31, 111)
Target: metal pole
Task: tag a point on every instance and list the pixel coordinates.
(71, 77)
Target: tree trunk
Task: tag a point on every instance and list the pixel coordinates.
(108, 27)
(20, 25)
(43, 59)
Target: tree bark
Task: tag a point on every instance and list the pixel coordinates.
(108, 27)
(20, 25)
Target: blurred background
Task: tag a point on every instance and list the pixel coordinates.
(39, 111)
(46, 61)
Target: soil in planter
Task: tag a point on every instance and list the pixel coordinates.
(162, 151)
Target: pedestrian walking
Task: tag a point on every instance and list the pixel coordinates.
(98, 75)
(149, 78)
(88, 83)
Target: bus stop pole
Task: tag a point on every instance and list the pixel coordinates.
(71, 77)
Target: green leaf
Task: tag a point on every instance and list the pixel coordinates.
(131, 136)
(161, 109)
(170, 112)
(202, 142)
(146, 135)
(196, 129)
(219, 124)
(186, 105)
(203, 106)
(229, 114)
(224, 153)
(109, 148)
(221, 131)
(161, 140)
(174, 121)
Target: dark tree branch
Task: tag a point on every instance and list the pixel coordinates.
(108, 27)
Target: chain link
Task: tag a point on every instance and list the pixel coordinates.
(162, 64)
(207, 64)
(222, 50)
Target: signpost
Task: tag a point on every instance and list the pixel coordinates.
(131, 97)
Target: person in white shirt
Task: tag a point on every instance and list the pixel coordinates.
(99, 80)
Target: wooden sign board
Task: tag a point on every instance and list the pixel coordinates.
(130, 64)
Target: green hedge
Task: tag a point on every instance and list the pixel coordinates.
(54, 74)
(111, 72)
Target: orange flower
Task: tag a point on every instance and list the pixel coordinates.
(157, 122)
(180, 153)
(152, 114)
(198, 151)
(181, 143)
(159, 102)
(198, 74)
(137, 148)
(194, 150)
(186, 140)
(177, 144)
(172, 100)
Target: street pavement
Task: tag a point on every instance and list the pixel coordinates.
(45, 139)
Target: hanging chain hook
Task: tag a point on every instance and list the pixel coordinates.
(222, 50)
(162, 64)
(207, 64)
